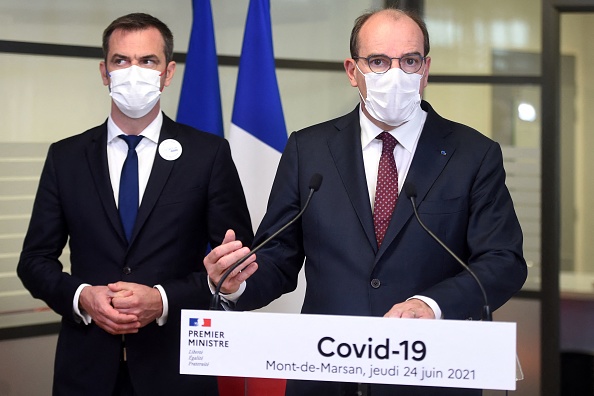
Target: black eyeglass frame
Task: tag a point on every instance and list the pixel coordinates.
(400, 60)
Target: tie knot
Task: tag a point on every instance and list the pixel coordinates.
(389, 141)
(131, 140)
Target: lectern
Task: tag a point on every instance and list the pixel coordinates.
(443, 353)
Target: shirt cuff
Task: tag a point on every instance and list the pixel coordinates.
(163, 318)
(432, 304)
(231, 297)
(81, 315)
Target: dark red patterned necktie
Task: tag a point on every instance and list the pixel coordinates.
(386, 190)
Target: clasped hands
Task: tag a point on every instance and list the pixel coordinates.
(121, 307)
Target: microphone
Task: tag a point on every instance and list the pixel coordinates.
(314, 185)
(411, 192)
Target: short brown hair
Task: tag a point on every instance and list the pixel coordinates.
(139, 21)
(360, 21)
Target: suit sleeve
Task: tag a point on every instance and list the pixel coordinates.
(226, 209)
(39, 267)
(494, 244)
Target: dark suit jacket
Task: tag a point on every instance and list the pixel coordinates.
(462, 198)
(188, 203)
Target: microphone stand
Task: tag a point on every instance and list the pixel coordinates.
(314, 185)
(412, 194)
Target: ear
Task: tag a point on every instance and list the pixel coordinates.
(104, 73)
(351, 70)
(169, 72)
(425, 79)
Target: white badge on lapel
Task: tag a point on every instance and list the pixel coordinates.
(170, 149)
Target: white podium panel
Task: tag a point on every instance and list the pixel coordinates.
(447, 353)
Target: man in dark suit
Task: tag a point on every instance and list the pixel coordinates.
(121, 302)
(365, 253)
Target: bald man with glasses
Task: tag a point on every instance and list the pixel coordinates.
(365, 253)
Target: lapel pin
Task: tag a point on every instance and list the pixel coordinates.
(443, 152)
(170, 149)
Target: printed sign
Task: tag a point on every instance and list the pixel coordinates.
(447, 353)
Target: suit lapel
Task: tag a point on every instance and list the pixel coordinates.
(345, 148)
(431, 156)
(96, 154)
(158, 178)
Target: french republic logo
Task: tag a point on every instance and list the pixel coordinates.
(195, 322)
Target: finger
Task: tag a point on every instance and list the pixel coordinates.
(117, 323)
(120, 303)
(133, 312)
(123, 286)
(409, 313)
(422, 310)
(124, 321)
(115, 328)
(425, 313)
(121, 321)
(221, 251)
(246, 272)
(229, 236)
(230, 259)
(111, 314)
(116, 287)
(121, 294)
(393, 313)
(242, 266)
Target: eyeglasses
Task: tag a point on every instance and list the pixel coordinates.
(380, 64)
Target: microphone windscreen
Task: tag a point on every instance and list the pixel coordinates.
(315, 182)
(410, 189)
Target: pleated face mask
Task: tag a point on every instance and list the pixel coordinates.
(392, 97)
(135, 90)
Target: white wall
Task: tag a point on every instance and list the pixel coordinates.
(27, 366)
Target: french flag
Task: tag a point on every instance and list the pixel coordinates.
(200, 99)
(258, 133)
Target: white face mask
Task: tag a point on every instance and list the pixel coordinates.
(135, 90)
(393, 97)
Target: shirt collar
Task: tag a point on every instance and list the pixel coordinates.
(151, 132)
(406, 134)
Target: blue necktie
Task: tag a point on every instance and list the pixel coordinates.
(128, 196)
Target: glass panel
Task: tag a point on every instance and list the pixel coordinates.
(577, 143)
(310, 97)
(306, 29)
(83, 22)
(46, 98)
(465, 34)
(509, 114)
(295, 24)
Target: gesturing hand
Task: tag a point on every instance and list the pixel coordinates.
(222, 257)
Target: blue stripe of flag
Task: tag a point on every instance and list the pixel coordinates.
(200, 98)
(257, 107)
